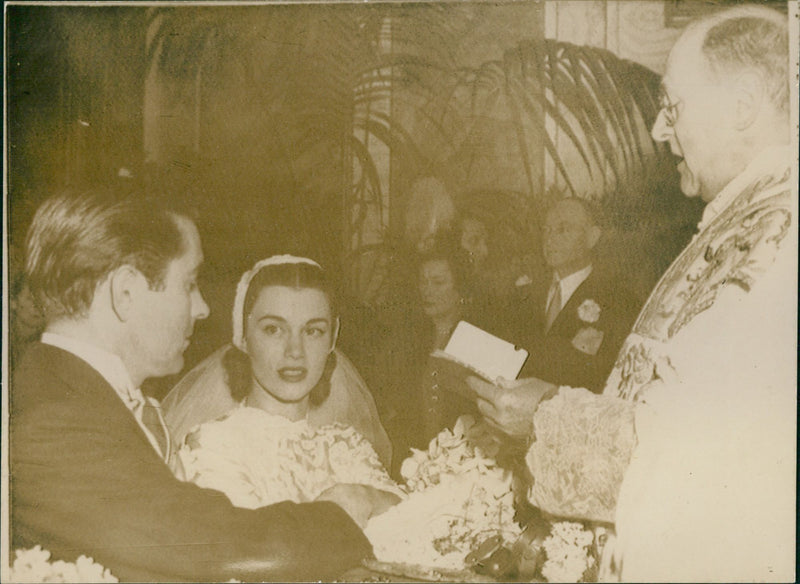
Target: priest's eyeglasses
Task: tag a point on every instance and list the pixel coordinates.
(669, 107)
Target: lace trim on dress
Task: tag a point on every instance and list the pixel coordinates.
(257, 459)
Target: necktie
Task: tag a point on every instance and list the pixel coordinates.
(553, 307)
(148, 412)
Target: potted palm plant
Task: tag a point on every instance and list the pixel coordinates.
(289, 108)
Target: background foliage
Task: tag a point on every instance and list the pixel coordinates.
(301, 128)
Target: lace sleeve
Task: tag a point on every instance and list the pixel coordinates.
(583, 443)
(209, 460)
(352, 459)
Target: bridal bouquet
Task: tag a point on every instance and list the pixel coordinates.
(33, 565)
(458, 498)
(450, 453)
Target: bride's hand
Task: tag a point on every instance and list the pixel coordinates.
(360, 502)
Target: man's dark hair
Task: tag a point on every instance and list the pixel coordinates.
(752, 37)
(77, 239)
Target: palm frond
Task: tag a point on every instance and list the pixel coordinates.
(329, 76)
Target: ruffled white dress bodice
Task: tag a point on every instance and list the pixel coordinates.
(257, 458)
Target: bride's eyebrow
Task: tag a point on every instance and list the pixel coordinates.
(281, 319)
(271, 317)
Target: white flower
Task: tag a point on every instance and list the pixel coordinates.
(567, 549)
(589, 311)
(33, 566)
(523, 280)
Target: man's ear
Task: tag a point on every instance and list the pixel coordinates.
(126, 284)
(748, 92)
(594, 236)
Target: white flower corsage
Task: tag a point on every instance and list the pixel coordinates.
(589, 311)
(523, 280)
(588, 340)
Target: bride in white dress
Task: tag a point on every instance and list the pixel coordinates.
(264, 450)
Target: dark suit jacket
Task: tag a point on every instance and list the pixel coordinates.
(85, 480)
(573, 351)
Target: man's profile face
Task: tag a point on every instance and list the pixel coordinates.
(165, 318)
(569, 237)
(696, 122)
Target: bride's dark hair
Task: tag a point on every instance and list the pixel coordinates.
(238, 369)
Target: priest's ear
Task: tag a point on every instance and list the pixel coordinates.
(748, 93)
(127, 286)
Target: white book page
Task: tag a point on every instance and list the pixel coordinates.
(491, 355)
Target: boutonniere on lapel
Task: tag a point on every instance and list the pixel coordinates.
(588, 339)
(589, 311)
(523, 280)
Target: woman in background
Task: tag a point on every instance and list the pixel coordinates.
(415, 401)
(446, 299)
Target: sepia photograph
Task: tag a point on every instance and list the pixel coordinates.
(389, 291)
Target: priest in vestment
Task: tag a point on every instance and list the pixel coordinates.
(690, 450)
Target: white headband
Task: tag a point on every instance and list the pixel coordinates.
(244, 284)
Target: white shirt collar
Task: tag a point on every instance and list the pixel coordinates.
(570, 283)
(774, 159)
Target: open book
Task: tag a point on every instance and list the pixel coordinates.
(473, 351)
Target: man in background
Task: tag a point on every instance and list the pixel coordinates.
(574, 326)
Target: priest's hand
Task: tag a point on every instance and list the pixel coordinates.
(509, 405)
(359, 501)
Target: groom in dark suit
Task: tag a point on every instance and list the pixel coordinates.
(574, 324)
(90, 454)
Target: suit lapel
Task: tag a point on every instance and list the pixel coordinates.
(82, 381)
(570, 310)
(537, 302)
